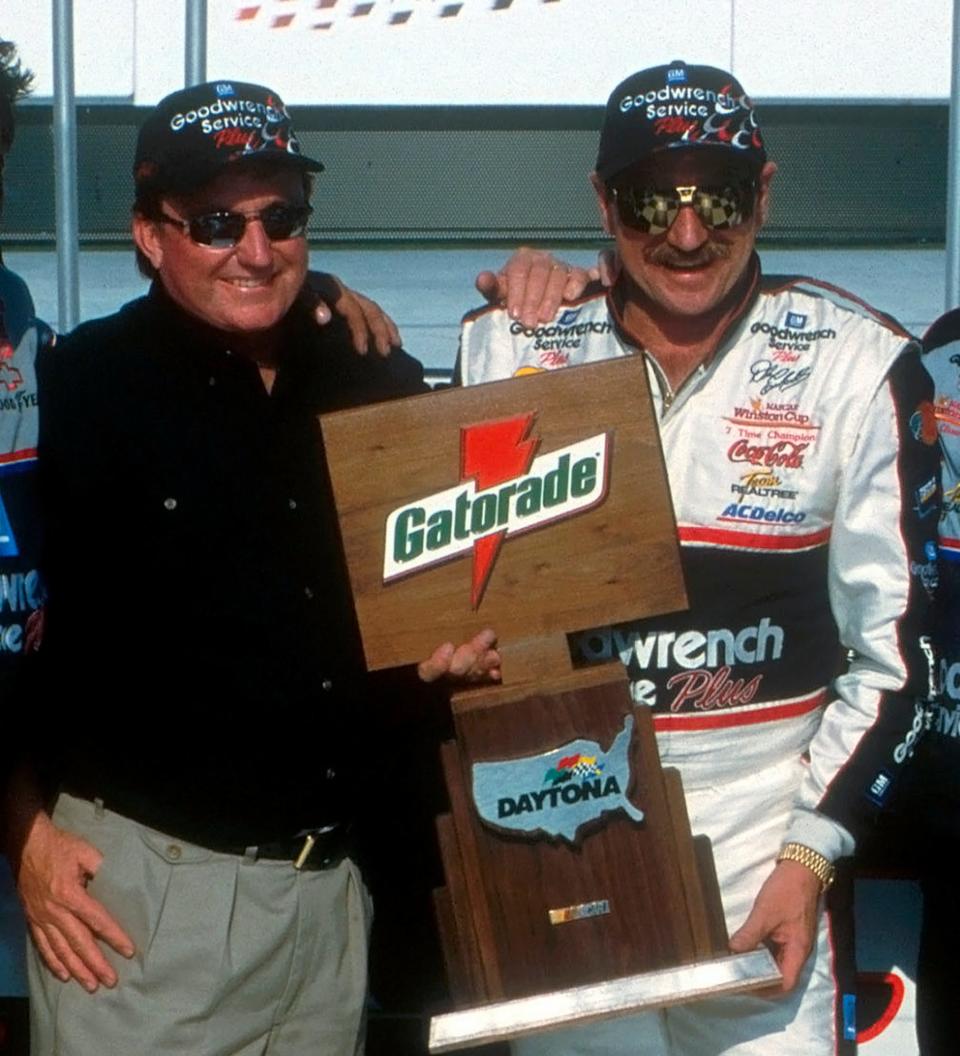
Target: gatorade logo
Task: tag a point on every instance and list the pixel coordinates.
(504, 490)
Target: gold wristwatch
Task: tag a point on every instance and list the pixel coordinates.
(825, 871)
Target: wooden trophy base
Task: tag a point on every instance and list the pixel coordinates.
(547, 922)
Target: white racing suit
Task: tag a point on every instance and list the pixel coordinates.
(802, 463)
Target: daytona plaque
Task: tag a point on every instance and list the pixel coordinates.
(556, 793)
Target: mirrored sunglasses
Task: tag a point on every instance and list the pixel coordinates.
(654, 209)
(223, 230)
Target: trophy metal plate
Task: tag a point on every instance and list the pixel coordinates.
(579, 1005)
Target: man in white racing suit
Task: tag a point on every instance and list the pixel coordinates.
(800, 445)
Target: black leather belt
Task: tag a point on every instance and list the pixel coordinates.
(320, 848)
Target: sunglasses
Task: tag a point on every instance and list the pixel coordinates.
(653, 210)
(223, 230)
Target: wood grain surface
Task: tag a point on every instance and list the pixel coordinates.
(513, 881)
(616, 561)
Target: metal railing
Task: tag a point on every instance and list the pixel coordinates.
(65, 164)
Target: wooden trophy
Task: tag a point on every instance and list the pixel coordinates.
(539, 506)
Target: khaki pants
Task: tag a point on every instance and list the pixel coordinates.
(234, 957)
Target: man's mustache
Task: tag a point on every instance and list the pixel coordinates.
(671, 257)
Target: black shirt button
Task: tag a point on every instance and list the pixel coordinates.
(308, 593)
(326, 685)
(169, 504)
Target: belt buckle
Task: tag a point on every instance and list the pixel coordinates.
(309, 839)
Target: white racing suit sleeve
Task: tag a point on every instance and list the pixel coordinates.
(882, 573)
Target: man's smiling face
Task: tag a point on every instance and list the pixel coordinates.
(690, 269)
(246, 288)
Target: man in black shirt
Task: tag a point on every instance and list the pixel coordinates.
(198, 595)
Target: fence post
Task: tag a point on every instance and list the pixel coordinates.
(195, 49)
(65, 168)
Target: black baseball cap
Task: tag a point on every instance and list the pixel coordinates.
(678, 107)
(194, 134)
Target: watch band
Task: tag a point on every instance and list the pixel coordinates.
(823, 869)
